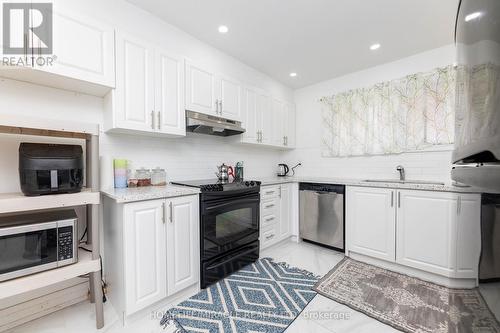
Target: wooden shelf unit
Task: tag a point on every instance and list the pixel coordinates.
(89, 262)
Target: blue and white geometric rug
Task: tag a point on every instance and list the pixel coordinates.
(262, 297)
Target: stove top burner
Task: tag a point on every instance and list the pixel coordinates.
(211, 185)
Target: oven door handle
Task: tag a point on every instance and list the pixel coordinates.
(235, 202)
(230, 257)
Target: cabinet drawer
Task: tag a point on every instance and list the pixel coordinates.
(269, 207)
(269, 237)
(269, 192)
(268, 220)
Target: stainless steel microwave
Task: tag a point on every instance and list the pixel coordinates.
(31, 243)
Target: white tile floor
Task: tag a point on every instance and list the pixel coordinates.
(81, 318)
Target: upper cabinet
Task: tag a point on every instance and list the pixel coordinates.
(149, 90)
(211, 93)
(200, 90)
(268, 121)
(83, 58)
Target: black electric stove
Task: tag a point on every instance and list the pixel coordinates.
(229, 226)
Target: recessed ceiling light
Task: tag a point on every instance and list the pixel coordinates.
(223, 29)
(473, 16)
(293, 74)
(375, 47)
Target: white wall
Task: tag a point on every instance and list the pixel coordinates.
(193, 157)
(419, 165)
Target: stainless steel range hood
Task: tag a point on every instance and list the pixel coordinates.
(211, 125)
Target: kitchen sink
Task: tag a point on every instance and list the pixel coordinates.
(397, 181)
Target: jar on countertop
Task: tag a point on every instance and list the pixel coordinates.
(143, 177)
(158, 177)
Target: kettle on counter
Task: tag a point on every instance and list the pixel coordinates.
(283, 170)
(224, 172)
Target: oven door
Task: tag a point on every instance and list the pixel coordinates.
(229, 223)
(27, 249)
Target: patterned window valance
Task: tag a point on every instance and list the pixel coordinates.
(413, 113)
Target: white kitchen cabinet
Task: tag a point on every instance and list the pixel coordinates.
(149, 95)
(289, 125)
(265, 115)
(211, 93)
(134, 95)
(82, 59)
(426, 227)
(419, 231)
(229, 98)
(169, 94)
(286, 207)
(468, 236)
(84, 49)
(201, 90)
(439, 232)
(370, 222)
(183, 255)
(250, 122)
(278, 114)
(144, 254)
(276, 212)
(154, 246)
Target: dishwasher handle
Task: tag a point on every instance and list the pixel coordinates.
(322, 188)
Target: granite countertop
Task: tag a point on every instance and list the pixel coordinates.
(361, 182)
(121, 195)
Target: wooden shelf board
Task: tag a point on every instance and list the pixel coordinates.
(18, 202)
(28, 283)
(46, 127)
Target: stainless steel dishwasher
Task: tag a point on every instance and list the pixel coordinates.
(321, 216)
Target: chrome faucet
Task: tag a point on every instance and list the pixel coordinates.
(401, 170)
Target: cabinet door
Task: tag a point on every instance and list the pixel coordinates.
(370, 222)
(266, 118)
(278, 119)
(285, 221)
(84, 49)
(468, 235)
(230, 96)
(289, 125)
(200, 90)
(183, 245)
(426, 230)
(249, 114)
(145, 267)
(169, 99)
(134, 105)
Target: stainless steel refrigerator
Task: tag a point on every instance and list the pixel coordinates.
(476, 156)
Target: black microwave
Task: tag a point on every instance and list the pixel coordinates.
(31, 243)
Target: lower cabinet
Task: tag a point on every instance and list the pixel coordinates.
(370, 222)
(158, 254)
(435, 232)
(276, 214)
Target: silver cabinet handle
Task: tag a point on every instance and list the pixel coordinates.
(270, 237)
(216, 106)
(159, 120)
(286, 140)
(152, 119)
(171, 212)
(392, 198)
(270, 206)
(399, 199)
(269, 219)
(220, 103)
(260, 136)
(269, 192)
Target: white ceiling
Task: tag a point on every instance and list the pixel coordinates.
(318, 39)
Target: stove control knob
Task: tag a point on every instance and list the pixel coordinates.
(252, 183)
(247, 184)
